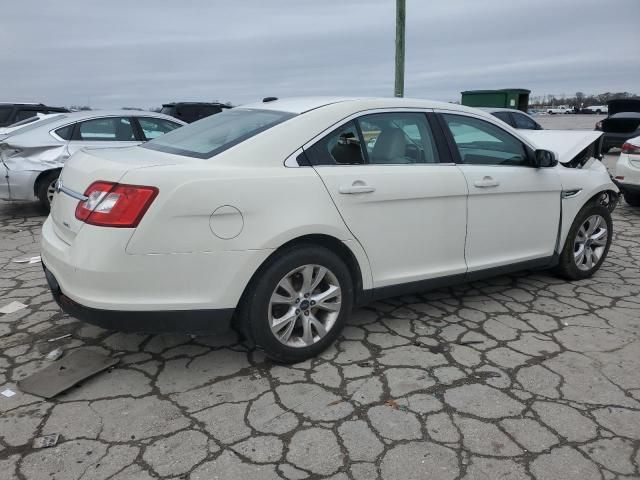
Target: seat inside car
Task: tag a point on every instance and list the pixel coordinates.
(347, 150)
(390, 147)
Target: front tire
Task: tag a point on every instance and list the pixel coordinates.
(587, 243)
(298, 304)
(46, 189)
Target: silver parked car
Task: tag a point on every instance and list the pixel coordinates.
(32, 156)
(516, 118)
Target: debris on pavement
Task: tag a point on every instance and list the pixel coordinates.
(54, 355)
(29, 260)
(8, 393)
(12, 307)
(46, 441)
(66, 335)
(391, 403)
(65, 373)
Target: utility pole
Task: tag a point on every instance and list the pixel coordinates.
(400, 20)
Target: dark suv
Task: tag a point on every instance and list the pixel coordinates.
(191, 111)
(11, 113)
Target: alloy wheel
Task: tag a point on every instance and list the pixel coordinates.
(590, 242)
(305, 305)
(51, 190)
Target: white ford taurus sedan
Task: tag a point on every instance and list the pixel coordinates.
(278, 217)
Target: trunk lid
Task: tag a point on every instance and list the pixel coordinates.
(566, 144)
(88, 166)
(623, 105)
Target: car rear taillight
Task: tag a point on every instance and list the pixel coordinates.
(630, 148)
(114, 205)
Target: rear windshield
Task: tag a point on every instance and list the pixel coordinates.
(35, 122)
(212, 135)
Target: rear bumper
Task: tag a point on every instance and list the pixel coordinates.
(628, 188)
(184, 321)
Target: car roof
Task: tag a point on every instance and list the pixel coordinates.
(173, 104)
(87, 114)
(304, 104)
(499, 109)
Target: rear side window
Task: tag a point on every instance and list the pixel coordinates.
(217, 133)
(394, 138)
(5, 113)
(24, 114)
(524, 122)
(65, 132)
(504, 116)
(110, 129)
(154, 127)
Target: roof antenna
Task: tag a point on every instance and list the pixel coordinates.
(269, 99)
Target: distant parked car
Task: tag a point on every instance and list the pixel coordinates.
(560, 109)
(515, 118)
(622, 123)
(627, 171)
(191, 111)
(11, 113)
(597, 109)
(33, 155)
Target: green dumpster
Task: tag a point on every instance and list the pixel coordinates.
(504, 98)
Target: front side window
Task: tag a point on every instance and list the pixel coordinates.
(379, 139)
(483, 143)
(524, 122)
(217, 133)
(109, 129)
(154, 127)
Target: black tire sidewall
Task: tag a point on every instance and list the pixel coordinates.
(632, 199)
(258, 301)
(43, 187)
(567, 266)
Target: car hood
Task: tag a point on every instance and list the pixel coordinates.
(624, 105)
(566, 144)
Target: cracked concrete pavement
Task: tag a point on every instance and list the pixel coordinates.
(520, 376)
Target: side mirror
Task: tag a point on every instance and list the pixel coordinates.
(545, 158)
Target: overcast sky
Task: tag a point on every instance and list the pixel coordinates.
(143, 53)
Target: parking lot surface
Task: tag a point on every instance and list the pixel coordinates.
(521, 376)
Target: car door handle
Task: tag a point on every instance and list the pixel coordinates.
(486, 182)
(357, 187)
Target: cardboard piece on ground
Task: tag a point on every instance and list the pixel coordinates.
(12, 307)
(65, 373)
(8, 393)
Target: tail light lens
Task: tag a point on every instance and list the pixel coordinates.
(115, 205)
(630, 148)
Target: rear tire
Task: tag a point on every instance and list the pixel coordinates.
(278, 312)
(632, 199)
(46, 187)
(587, 243)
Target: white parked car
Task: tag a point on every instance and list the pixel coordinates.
(597, 109)
(560, 109)
(32, 154)
(279, 217)
(627, 171)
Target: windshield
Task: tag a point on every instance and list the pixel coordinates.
(212, 135)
